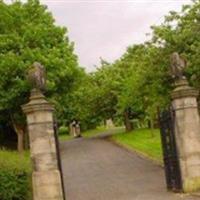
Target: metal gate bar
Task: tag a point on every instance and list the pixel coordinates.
(58, 156)
(170, 157)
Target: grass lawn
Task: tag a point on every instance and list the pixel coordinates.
(94, 132)
(15, 175)
(64, 137)
(144, 141)
(14, 159)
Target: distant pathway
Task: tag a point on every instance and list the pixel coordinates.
(95, 169)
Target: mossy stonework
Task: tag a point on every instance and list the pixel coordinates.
(187, 133)
(191, 185)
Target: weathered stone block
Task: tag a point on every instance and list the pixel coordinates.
(47, 185)
(40, 116)
(42, 162)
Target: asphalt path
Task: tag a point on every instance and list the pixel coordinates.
(96, 169)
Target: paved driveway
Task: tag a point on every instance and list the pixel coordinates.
(95, 169)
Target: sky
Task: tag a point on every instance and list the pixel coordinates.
(105, 28)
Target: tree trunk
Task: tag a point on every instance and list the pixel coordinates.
(20, 131)
(20, 142)
(152, 127)
(128, 124)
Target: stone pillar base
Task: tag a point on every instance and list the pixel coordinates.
(47, 185)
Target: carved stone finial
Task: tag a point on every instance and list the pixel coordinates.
(177, 67)
(37, 76)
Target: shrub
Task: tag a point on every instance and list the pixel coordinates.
(15, 176)
(63, 130)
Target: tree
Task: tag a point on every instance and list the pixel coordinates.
(139, 83)
(146, 81)
(28, 34)
(179, 33)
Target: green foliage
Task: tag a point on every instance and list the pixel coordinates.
(105, 90)
(140, 81)
(28, 34)
(179, 33)
(96, 98)
(15, 176)
(63, 130)
(141, 140)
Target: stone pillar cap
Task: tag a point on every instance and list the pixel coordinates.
(37, 103)
(183, 90)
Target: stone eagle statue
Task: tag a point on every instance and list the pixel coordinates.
(177, 66)
(37, 76)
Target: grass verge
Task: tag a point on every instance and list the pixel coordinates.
(144, 141)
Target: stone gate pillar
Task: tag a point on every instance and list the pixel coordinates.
(187, 134)
(46, 177)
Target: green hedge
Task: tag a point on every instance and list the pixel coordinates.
(15, 176)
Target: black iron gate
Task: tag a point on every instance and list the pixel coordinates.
(171, 162)
(58, 156)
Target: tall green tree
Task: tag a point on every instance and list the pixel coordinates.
(142, 73)
(27, 34)
(180, 32)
